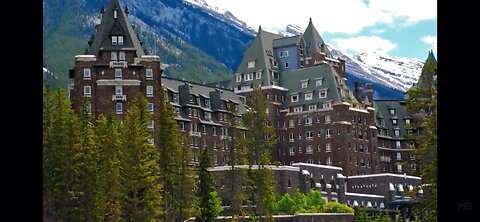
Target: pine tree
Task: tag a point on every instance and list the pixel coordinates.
(361, 215)
(260, 139)
(48, 109)
(234, 126)
(140, 163)
(85, 159)
(209, 202)
(60, 143)
(109, 180)
(186, 184)
(171, 160)
(423, 103)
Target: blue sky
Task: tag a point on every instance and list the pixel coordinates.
(401, 28)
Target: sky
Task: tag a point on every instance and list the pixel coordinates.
(400, 28)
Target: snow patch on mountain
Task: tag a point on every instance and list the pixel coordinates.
(394, 72)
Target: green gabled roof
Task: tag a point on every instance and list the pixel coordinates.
(431, 58)
(314, 43)
(287, 41)
(428, 71)
(292, 81)
(382, 109)
(257, 51)
(115, 26)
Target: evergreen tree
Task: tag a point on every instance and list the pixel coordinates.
(170, 159)
(315, 201)
(186, 184)
(140, 165)
(208, 199)
(109, 180)
(301, 205)
(259, 140)
(48, 109)
(61, 134)
(85, 160)
(286, 205)
(382, 217)
(422, 101)
(361, 215)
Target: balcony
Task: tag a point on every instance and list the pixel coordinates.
(116, 64)
(197, 134)
(119, 98)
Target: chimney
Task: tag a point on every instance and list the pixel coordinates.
(358, 90)
(369, 92)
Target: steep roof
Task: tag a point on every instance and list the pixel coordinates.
(331, 82)
(314, 42)
(119, 26)
(429, 70)
(382, 111)
(287, 41)
(260, 51)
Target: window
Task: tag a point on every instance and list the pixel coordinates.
(328, 161)
(292, 151)
(294, 98)
(114, 40)
(339, 131)
(118, 73)
(86, 73)
(412, 157)
(150, 107)
(312, 107)
(291, 136)
(309, 135)
(249, 77)
(149, 74)
(275, 75)
(118, 90)
(87, 91)
(304, 84)
(399, 156)
(283, 53)
(119, 108)
(275, 64)
(286, 65)
(397, 133)
(251, 64)
(308, 121)
(291, 123)
(414, 166)
(407, 121)
(204, 129)
(398, 145)
(120, 40)
(300, 136)
(319, 148)
(399, 168)
(328, 147)
(356, 161)
(394, 121)
(177, 110)
(149, 91)
(121, 56)
(258, 74)
(207, 115)
(327, 133)
(319, 133)
(150, 125)
(327, 105)
(392, 111)
(318, 82)
(327, 119)
(309, 96)
(113, 56)
(297, 109)
(239, 78)
(89, 108)
(214, 131)
(310, 161)
(323, 94)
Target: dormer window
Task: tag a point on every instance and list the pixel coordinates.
(318, 82)
(394, 121)
(304, 84)
(251, 64)
(294, 98)
(114, 40)
(323, 94)
(239, 78)
(283, 54)
(258, 74)
(309, 96)
(149, 74)
(407, 121)
(120, 40)
(392, 111)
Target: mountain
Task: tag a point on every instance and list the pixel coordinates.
(171, 29)
(196, 42)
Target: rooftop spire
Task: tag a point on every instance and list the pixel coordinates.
(115, 23)
(259, 28)
(102, 10)
(310, 20)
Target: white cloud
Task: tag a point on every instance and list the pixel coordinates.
(377, 31)
(333, 16)
(363, 44)
(431, 40)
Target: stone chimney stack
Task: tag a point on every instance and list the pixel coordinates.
(369, 92)
(358, 90)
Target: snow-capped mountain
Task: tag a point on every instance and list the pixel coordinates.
(393, 72)
(222, 14)
(291, 30)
